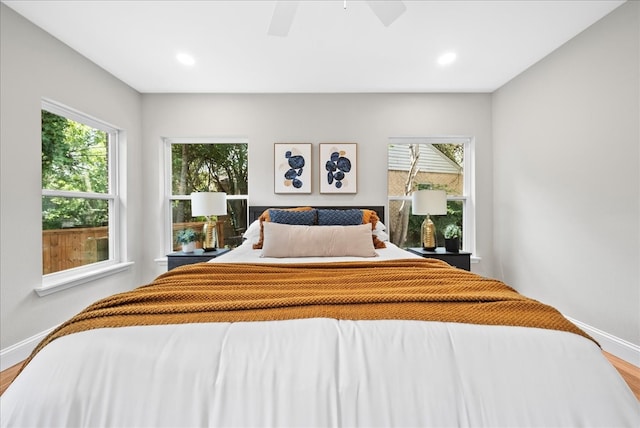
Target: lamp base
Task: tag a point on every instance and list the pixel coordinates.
(428, 233)
(206, 250)
(210, 235)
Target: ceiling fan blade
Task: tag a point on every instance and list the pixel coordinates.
(387, 11)
(282, 18)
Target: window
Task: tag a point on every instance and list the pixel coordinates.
(207, 165)
(430, 163)
(79, 195)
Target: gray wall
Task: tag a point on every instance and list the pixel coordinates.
(35, 65)
(566, 182)
(367, 119)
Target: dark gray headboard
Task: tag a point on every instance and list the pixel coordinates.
(255, 211)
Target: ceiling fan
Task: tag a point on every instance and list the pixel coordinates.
(387, 12)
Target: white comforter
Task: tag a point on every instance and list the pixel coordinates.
(320, 372)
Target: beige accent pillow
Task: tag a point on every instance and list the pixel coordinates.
(285, 240)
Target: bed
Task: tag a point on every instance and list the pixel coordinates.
(253, 339)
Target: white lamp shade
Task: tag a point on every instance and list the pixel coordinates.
(433, 202)
(208, 203)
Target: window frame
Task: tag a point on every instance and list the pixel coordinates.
(168, 193)
(67, 278)
(468, 189)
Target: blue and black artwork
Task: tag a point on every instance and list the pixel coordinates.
(337, 167)
(296, 165)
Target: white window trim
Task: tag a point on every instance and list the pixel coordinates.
(468, 199)
(169, 196)
(58, 281)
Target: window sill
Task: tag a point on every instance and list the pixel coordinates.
(59, 284)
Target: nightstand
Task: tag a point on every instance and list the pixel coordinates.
(461, 260)
(180, 259)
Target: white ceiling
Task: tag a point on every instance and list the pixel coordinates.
(328, 48)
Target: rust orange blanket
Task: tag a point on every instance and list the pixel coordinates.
(414, 289)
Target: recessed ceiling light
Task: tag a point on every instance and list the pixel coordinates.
(185, 59)
(447, 58)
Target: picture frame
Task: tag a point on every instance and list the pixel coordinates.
(292, 168)
(338, 167)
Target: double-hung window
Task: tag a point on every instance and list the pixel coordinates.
(206, 165)
(438, 163)
(80, 201)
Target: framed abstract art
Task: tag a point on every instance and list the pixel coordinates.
(338, 168)
(292, 168)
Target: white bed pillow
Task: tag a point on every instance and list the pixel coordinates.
(285, 240)
(380, 231)
(252, 234)
(383, 236)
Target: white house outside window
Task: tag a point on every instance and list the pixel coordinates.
(441, 163)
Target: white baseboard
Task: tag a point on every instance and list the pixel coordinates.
(20, 351)
(614, 345)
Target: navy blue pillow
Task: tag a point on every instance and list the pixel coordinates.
(339, 217)
(306, 218)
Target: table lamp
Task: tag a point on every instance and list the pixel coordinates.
(429, 202)
(209, 205)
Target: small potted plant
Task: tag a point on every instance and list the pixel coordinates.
(187, 237)
(452, 234)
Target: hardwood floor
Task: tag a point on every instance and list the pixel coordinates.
(7, 376)
(629, 372)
